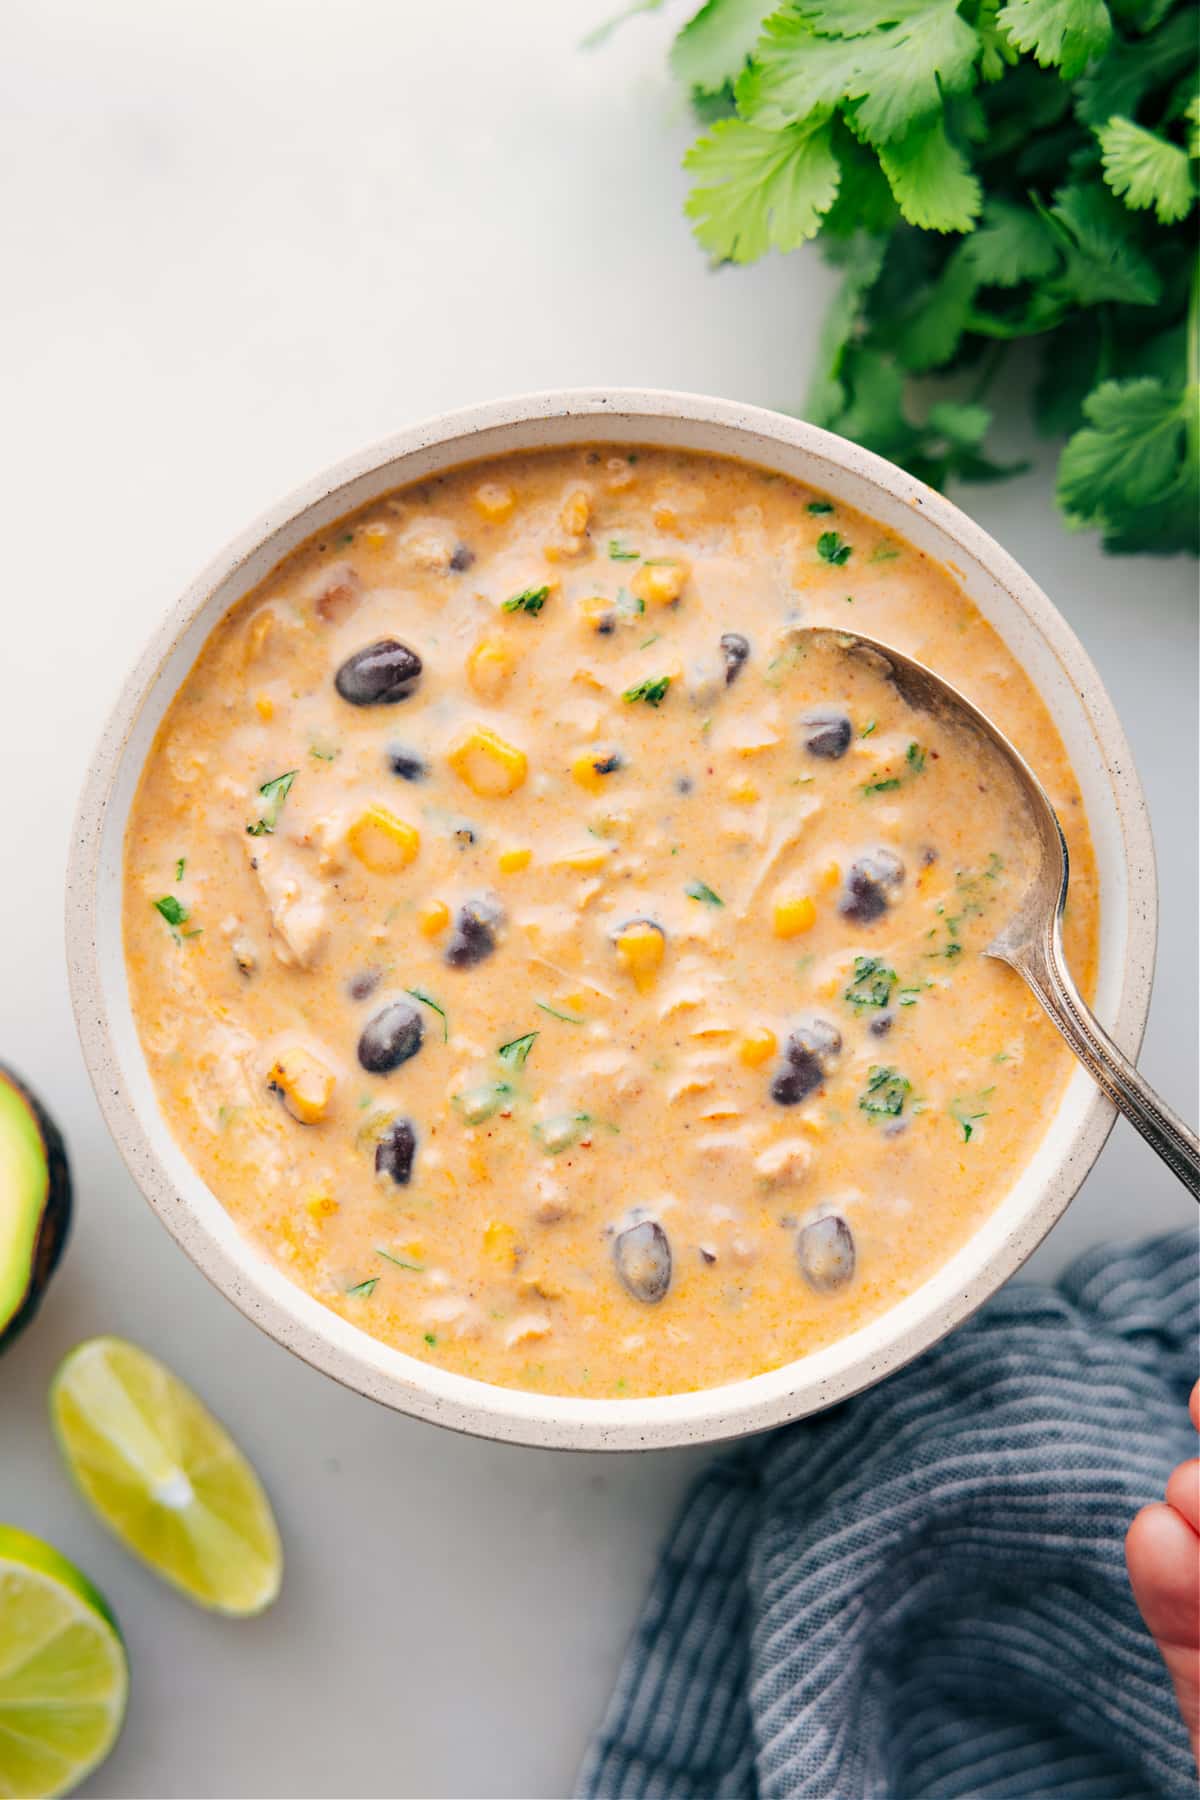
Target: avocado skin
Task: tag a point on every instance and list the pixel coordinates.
(56, 1211)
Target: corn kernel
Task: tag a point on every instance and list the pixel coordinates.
(495, 501)
(376, 535)
(640, 948)
(793, 914)
(576, 512)
(665, 518)
(831, 874)
(264, 706)
(489, 766)
(597, 612)
(513, 860)
(304, 1084)
(591, 768)
(500, 1242)
(757, 1047)
(660, 583)
(490, 667)
(742, 792)
(320, 1204)
(433, 918)
(584, 862)
(382, 842)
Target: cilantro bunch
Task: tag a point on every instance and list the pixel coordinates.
(983, 173)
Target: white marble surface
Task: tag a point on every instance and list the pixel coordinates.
(243, 238)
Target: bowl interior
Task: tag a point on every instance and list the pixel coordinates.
(1037, 637)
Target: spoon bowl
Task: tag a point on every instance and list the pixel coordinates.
(1030, 941)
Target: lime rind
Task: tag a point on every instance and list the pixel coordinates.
(165, 1476)
(64, 1678)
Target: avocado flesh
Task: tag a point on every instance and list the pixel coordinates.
(35, 1204)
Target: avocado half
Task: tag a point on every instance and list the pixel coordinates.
(35, 1204)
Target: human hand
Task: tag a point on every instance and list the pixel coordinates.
(1162, 1553)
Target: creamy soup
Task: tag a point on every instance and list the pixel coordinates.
(565, 964)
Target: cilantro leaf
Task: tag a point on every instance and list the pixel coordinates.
(1134, 469)
(1146, 170)
(893, 64)
(516, 1052)
(1012, 244)
(1120, 82)
(757, 189)
(274, 792)
(711, 51)
(1102, 262)
(862, 263)
(653, 690)
(172, 910)
(531, 601)
(1069, 33)
(833, 548)
(931, 180)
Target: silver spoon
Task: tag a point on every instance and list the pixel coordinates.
(1031, 941)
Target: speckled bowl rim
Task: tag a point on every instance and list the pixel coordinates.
(1039, 1196)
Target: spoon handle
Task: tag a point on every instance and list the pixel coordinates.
(1040, 960)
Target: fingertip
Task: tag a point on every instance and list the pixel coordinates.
(1194, 1406)
(1183, 1492)
(1162, 1554)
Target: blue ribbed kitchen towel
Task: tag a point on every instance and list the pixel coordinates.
(923, 1591)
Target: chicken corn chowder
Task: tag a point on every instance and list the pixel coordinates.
(564, 964)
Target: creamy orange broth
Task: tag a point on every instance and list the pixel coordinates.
(679, 939)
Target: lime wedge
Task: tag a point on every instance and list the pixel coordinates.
(165, 1476)
(63, 1675)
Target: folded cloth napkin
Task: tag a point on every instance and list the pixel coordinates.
(922, 1592)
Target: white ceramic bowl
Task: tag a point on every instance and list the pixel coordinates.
(1006, 596)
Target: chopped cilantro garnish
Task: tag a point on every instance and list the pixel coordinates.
(363, 1289)
(881, 787)
(653, 692)
(430, 1339)
(914, 756)
(965, 1120)
(429, 1001)
(868, 729)
(416, 1268)
(567, 1018)
(820, 506)
(180, 866)
(629, 604)
(274, 792)
(885, 1093)
(617, 554)
(700, 890)
(516, 1052)
(872, 983)
(530, 601)
(172, 910)
(833, 548)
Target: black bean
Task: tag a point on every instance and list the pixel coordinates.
(464, 836)
(809, 1047)
(881, 1026)
(462, 558)
(684, 784)
(363, 985)
(406, 763)
(734, 651)
(379, 675)
(390, 1038)
(642, 1254)
(474, 936)
(395, 1151)
(826, 732)
(826, 1252)
(865, 895)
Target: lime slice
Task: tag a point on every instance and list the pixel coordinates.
(63, 1675)
(165, 1476)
